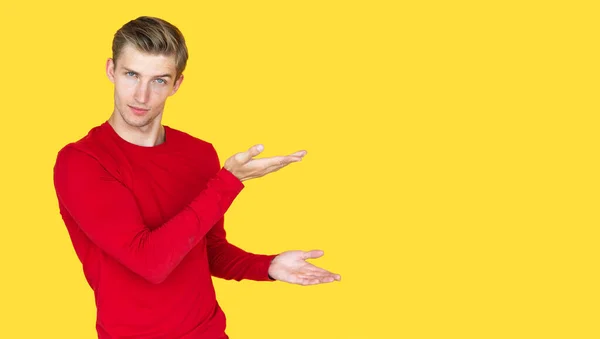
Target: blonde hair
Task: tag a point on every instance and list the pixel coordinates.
(153, 36)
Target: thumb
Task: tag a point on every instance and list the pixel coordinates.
(312, 254)
(253, 151)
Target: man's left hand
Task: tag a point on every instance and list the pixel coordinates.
(292, 267)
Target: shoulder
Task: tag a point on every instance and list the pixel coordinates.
(74, 166)
(80, 147)
(190, 142)
(89, 150)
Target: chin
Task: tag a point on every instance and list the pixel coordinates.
(137, 121)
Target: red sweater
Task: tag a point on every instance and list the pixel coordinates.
(147, 225)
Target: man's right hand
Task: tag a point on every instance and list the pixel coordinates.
(244, 167)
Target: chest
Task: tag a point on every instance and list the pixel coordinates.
(164, 185)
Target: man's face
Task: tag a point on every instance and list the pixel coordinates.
(143, 82)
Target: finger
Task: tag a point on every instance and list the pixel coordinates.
(329, 277)
(298, 154)
(275, 168)
(307, 280)
(321, 275)
(312, 254)
(311, 280)
(276, 161)
(253, 151)
(277, 164)
(319, 272)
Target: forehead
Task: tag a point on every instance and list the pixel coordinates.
(144, 63)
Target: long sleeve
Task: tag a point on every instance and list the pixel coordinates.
(229, 262)
(106, 211)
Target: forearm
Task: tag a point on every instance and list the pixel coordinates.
(229, 262)
(232, 263)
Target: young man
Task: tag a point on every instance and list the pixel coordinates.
(144, 203)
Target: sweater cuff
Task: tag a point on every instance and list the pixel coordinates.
(263, 266)
(230, 180)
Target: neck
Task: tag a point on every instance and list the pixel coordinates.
(149, 135)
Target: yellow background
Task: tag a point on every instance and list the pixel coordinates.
(451, 176)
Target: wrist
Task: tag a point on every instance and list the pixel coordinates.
(269, 273)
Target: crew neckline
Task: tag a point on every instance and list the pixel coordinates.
(138, 148)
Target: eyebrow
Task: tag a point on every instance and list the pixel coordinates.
(167, 75)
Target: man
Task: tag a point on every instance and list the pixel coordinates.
(144, 203)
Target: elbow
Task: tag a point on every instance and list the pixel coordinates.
(156, 280)
(156, 277)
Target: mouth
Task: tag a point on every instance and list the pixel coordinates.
(137, 110)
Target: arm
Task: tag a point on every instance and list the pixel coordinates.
(232, 263)
(229, 262)
(107, 213)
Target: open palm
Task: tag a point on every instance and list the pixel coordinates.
(292, 267)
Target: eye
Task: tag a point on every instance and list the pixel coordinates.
(161, 81)
(130, 73)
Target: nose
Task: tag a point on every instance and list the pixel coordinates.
(141, 93)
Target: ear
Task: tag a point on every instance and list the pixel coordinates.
(177, 84)
(110, 70)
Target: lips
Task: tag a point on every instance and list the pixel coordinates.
(137, 110)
